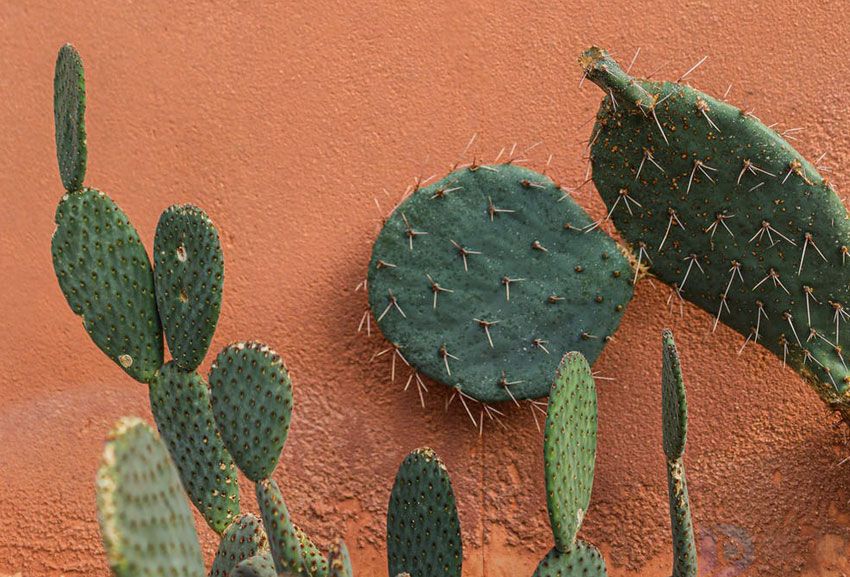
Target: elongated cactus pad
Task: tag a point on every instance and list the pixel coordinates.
(485, 278)
(583, 560)
(252, 403)
(145, 521)
(260, 565)
(189, 274)
(106, 277)
(283, 540)
(675, 427)
(423, 530)
(569, 448)
(69, 111)
(315, 563)
(339, 561)
(180, 402)
(730, 215)
(243, 539)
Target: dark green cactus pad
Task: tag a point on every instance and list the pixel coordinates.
(339, 561)
(106, 277)
(583, 560)
(243, 539)
(730, 215)
(569, 448)
(674, 404)
(423, 530)
(189, 274)
(180, 402)
(283, 540)
(684, 545)
(451, 254)
(69, 113)
(260, 565)
(315, 564)
(252, 403)
(145, 520)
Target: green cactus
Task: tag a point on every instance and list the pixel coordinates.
(423, 530)
(145, 521)
(339, 561)
(582, 560)
(485, 278)
(189, 276)
(260, 565)
(315, 563)
(283, 540)
(730, 215)
(243, 539)
(675, 429)
(180, 402)
(69, 112)
(569, 448)
(252, 402)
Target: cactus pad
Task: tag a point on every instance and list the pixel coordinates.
(252, 403)
(315, 564)
(569, 448)
(673, 402)
(339, 561)
(583, 560)
(485, 278)
(730, 215)
(682, 529)
(189, 274)
(69, 112)
(260, 565)
(180, 402)
(243, 539)
(423, 531)
(145, 521)
(283, 540)
(106, 277)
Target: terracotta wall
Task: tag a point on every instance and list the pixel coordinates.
(286, 121)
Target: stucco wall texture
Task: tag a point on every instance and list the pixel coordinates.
(286, 121)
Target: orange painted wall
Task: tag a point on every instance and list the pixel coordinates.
(285, 121)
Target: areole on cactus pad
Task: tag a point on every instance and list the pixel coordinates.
(727, 212)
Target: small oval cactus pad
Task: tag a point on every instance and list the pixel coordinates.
(252, 404)
(283, 539)
(339, 560)
(145, 520)
(107, 279)
(569, 448)
(260, 565)
(681, 526)
(674, 404)
(485, 278)
(243, 539)
(423, 530)
(730, 215)
(583, 560)
(189, 274)
(180, 402)
(315, 563)
(69, 113)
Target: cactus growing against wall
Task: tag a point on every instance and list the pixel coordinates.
(730, 215)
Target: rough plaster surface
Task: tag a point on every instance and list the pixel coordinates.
(284, 121)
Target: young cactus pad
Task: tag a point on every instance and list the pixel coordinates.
(69, 114)
(485, 278)
(339, 560)
(180, 402)
(283, 540)
(315, 563)
(243, 539)
(252, 404)
(189, 274)
(569, 448)
(675, 426)
(730, 215)
(583, 560)
(145, 521)
(423, 530)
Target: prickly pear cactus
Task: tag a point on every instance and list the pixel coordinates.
(485, 278)
(675, 427)
(145, 521)
(569, 448)
(252, 403)
(69, 112)
(315, 563)
(339, 561)
(423, 531)
(180, 402)
(260, 565)
(726, 211)
(583, 560)
(283, 540)
(189, 275)
(243, 539)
